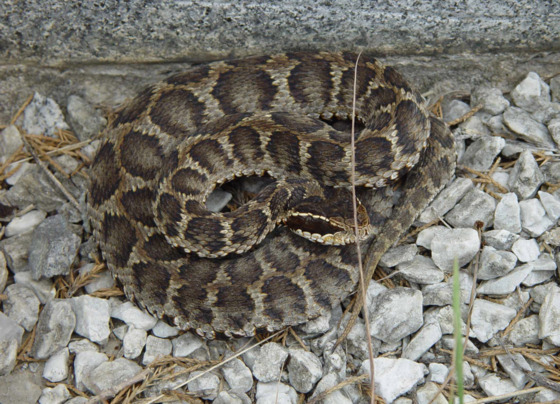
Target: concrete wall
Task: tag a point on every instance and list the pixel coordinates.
(60, 47)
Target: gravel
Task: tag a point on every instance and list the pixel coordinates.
(505, 237)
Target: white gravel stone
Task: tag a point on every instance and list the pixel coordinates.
(507, 283)
(549, 318)
(43, 117)
(102, 280)
(455, 110)
(525, 177)
(499, 239)
(495, 386)
(421, 270)
(398, 255)
(43, 288)
(488, 318)
(525, 331)
(438, 372)
(551, 205)
(424, 339)
(508, 215)
(395, 313)
(426, 236)
(85, 120)
(495, 263)
(22, 305)
(531, 93)
(56, 368)
(516, 367)
(327, 382)
(275, 393)
(54, 329)
(164, 330)
(134, 342)
(476, 206)
(54, 395)
(10, 142)
(156, 347)
(446, 200)
(218, 200)
(205, 385)
(10, 329)
(25, 223)
(237, 375)
(82, 345)
(547, 395)
(232, 397)
(444, 317)
(395, 377)
(8, 354)
(110, 374)
(3, 272)
(527, 128)
(533, 217)
(84, 363)
(427, 392)
(491, 98)
(304, 370)
(526, 250)
(133, 316)
(92, 318)
(450, 244)
(554, 129)
(318, 325)
(482, 152)
(269, 362)
(186, 344)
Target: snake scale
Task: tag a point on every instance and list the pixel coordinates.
(288, 255)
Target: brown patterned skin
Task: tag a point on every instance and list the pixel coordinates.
(170, 146)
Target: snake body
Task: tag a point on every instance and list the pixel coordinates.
(252, 269)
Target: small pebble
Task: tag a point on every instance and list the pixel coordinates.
(507, 283)
(533, 217)
(134, 342)
(395, 313)
(424, 339)
(22, 305)
(438, 372)
(526, 250)
(164, 330)
(480, 155)
(525, 177)
(156, 347)
(446, 200)
(133, 316)
(43, 117)
(516, 367)
(304, 370)
(495, 263)
(398, 255)
(54, 329)
(275, 393)
(551, 205)
(56, 368)
(488, 318)
(531, 93)
(476, 206)
(84, 363)
(110, 374)
(85, 120)
(92, 317)
(549, 318)
(499, 239)
(204, 384)
(508, 215)
(525, 331)
(186, 344)
(269, 362)
(55, 395)
(421, 270)
(25, 223)
(395, 377)
(237, 375)
(496, 386)
(427, 392)
(450, 244)
(491, 99)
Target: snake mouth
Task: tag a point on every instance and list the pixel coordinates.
(323, 230)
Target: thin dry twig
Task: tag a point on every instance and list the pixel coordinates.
(358, 249)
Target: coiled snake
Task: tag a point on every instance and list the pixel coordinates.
(288, 255)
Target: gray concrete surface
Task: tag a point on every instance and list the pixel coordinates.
(58, 32)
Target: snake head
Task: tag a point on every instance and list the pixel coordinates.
(329, 222)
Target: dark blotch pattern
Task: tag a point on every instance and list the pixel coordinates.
(152, 274)
(281, 148)
(177, 112)
(409, 120)
(158, 248)
(280, 293)
(210, 155)
(105, 178)
(246, 145)
(183, 178)
(136, 108)
(118, 238)
(138, 205)
(324, 278)
(143, 156)
(310, 82)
